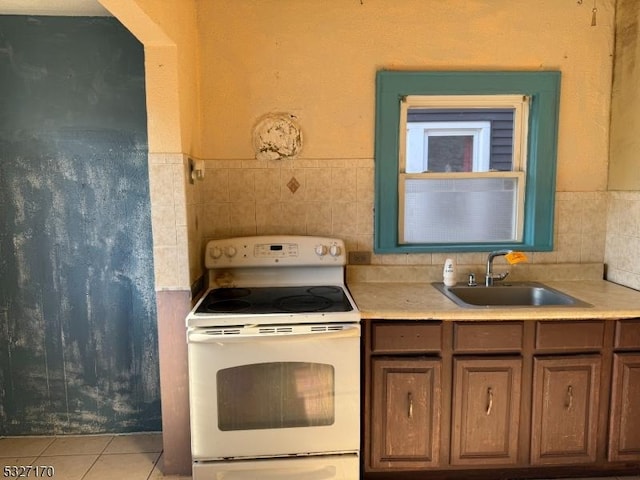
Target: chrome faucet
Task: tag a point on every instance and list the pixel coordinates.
(490, 276)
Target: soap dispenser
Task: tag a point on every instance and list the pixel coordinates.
(449, 273)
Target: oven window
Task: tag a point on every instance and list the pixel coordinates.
(275, 395)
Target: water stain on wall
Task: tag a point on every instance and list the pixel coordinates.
(78, 337)
(627, 12)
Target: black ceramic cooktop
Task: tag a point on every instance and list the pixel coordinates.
(261, 300)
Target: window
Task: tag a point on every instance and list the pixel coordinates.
(452, 189)
(448, 146)
(465, 161)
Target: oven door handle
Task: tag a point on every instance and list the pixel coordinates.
(348, 332)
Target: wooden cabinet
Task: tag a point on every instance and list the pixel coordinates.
(405, 412)
(624, 436)
(413, 422)
(624, 420)
(539, 398)
(565, 409)
(486, 410)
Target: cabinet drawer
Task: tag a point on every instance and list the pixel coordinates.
(628, 334)
(487, 337)
(406, 337)
(569, 335)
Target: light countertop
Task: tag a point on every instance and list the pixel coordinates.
(421, 301)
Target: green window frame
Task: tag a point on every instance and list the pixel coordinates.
(543, 89)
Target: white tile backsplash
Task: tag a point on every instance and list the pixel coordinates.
(335, 198)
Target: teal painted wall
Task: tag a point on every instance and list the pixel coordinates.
(78, 337)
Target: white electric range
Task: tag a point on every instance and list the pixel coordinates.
(274, 362)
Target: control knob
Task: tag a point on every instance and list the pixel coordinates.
(230, 251)
(321, 250)
(335, 250)
(215, 252)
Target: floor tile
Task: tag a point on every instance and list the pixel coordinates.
(129, 466)
(139, 443)
(69, 467)
(78, 445)
(23, 446)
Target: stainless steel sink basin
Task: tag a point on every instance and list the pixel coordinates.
(521, 294)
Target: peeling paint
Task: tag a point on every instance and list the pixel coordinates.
(277, 136)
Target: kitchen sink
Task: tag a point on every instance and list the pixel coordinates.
(521, 294)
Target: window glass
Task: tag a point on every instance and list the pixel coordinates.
(453, 137)
(446, 210)
(451, 152)
(448, 146)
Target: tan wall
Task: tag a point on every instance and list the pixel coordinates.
(317, 60)
(172, 89)
(623, 225)
(624, 173)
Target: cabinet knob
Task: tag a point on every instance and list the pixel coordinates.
(410, 405)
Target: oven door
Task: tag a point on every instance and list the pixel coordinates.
(294, 391)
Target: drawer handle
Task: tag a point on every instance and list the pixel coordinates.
(489, 400)
(569, 402)
(410, 403)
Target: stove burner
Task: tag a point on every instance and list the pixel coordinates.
(303, 303)
(324, 290)
(228, 306)
(228, 293)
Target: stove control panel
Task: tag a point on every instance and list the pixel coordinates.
(275, 250)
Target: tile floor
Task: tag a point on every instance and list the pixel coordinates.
(102, 457)
(92, 457)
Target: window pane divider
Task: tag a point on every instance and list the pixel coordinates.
(459, 175)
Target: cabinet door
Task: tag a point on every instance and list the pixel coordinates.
(405, 411)
(486, 411)
(565, 407)
(624, 439)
